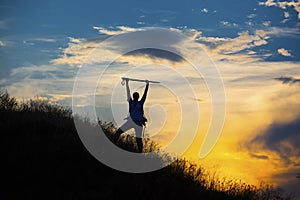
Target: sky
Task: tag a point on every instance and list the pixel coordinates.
(253, 44)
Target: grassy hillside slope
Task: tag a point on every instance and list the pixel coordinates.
(43, 158)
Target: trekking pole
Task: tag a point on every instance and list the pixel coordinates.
(138, 80)
(144, 128)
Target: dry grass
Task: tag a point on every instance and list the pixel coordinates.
(45, 159)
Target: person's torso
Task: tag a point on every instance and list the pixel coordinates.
(136, 111)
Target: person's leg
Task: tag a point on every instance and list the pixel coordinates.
(139, 142)
(126, 126)
(138, 128)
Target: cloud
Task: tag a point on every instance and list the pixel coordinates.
(286, 15)
(115, 30)
(255, 110)
(45, 40)
(196, 99)
(287, 80)
(244, 100)
(236, 49)
(204, 10)
(189, 32)
(79, 51)
(266, 23)
(30, 81)
(156, 53)
(294, 4)
(283, 5)
(251, 16)
(229, 24)
(25, 42)
(2, 44)
(258, 156)
(255, 75)
(75, 40)
(284, 52)
(283, 139)
(268, 3)
(289, 182)
(284, 32)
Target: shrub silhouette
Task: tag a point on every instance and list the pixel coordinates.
(45, 159)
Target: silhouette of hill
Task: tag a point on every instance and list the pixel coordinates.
(43, 158)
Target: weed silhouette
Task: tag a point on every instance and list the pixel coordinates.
(43, 158)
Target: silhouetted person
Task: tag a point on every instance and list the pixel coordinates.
(136, 118)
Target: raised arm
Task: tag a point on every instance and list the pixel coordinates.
(145, 92)
(127, 90)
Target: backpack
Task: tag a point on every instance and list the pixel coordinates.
(133, 105)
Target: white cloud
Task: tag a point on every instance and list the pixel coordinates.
(2, 44)
(75, 40)
(105, 31)
(229, 24)
(286, 14)
(45, 39)
(286, 17)
(212, 40)
(204, 10)
(28, 43)
(295, 4)
(191, 33)
(224, 22)
(268, 3)
(235, 49)
(284, 52)
(284, 32)
(266, 23)
(77, 51)
(251, 16)
(41, 80)
(25, 71)
(249, 23)
(231, 49)
(116, 30)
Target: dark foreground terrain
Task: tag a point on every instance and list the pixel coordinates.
(43, 158)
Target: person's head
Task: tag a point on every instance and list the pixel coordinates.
(135, 96)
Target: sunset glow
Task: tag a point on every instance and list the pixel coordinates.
(253, 45)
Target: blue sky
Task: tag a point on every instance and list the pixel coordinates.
(34, 30)
(255, 45)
